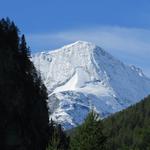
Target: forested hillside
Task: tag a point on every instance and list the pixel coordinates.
(129, 129)
(125, 130)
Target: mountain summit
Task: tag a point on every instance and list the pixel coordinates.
(82, 76)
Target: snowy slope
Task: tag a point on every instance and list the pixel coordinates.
(81, 76)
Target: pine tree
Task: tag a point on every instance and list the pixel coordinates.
(58, 138)
(23, 47)
(89, 135)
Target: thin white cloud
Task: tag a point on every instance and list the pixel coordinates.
(130, 44)
(119, 39)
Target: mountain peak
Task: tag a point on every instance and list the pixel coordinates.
(82, 74)
(83, 43)
(80, 45)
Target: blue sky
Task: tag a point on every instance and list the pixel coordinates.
(122, 27)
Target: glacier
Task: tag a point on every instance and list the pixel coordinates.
(82, 76)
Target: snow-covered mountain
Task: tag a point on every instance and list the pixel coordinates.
(82, 76)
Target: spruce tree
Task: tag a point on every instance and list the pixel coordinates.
(89, 135)
(58, 138)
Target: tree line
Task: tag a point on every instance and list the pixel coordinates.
(130, 128)
(125, 130)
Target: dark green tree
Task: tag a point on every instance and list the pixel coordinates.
(58, 138)
(89, 135)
